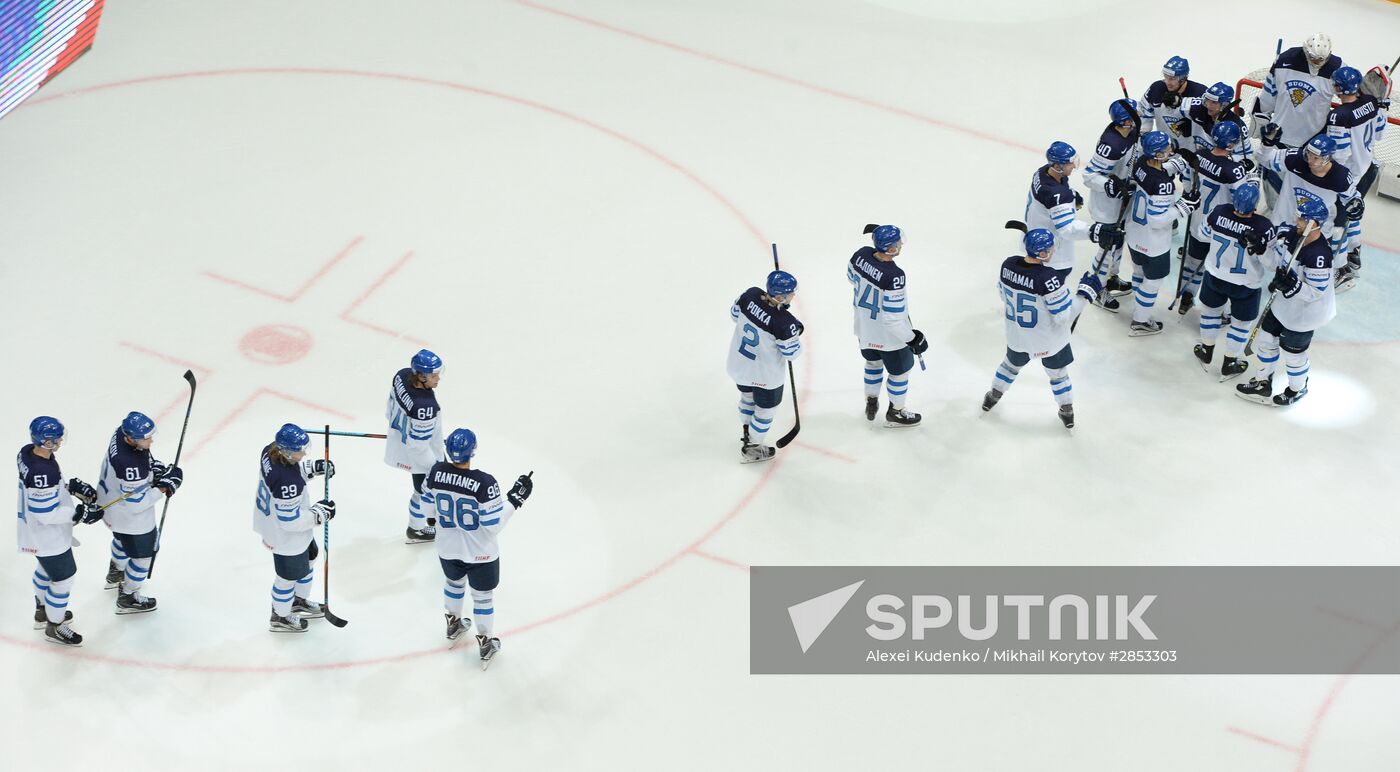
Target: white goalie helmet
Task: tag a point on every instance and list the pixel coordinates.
(1318, 47)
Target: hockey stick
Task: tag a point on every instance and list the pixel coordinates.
(796, 416)
(870, 228)
(114, 502)
(1302, 239)
(160, 529)
(326, 544)
(368, 435)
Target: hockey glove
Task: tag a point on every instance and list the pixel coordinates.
(1287, 235)
(79, 513)
(1106, 235)
(316, 468)
(323, 511)
(1270, 135)
(158, 469)
(919, 344)
(1078, 200)
(171, 480)
(1192, 197)
(1286, 282)
(1190, 157)
(1182, 128)
(92, 513)
(1253, 244)
(1090, 287)
(1354, 209)
(84, 492)
(1249, 165)
(520, 491)
(1176, 166)
(1171, 99)
(1113, 187)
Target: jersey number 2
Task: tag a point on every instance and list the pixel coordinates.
(750, 341)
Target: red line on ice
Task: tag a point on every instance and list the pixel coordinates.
(295, 296)
(699, 553)
(346, 314)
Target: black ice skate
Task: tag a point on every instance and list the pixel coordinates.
(1185, 303)
(490, 647)
(307, 609)
(419, 535)
(872, 406)
(752, 452)
(1149, 327)
(1204, 354)
(114, 575)
(134, 603)
(901, 418)
(1117, 287)
(990, 399)
(1108, 303)
(1289, 396)
(62, 634)
(287, 624)
(1067, 416)
(1232, 367)
(1258, 390)
(456, 628)
(41, 619)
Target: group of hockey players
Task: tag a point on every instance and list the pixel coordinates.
(1179, 159)
(460, 508)
(130, 484)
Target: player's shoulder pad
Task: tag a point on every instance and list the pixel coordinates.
(1292, 59)
(1330, 67)
(1037, 279)
(1317, 255)
(32, 465)
(1155, 92)
(1112, 145)
(1194, 89)
(761, 314)
(1048, 192)
(882, 273)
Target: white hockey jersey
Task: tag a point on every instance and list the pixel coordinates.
(881, 303)
(1039, 309)
(1333, 189)
(1228, 258)
(1297, 96)
(1050, 205)
(764, 340)
(1114, 156)
(1315, 303)
(1156, 114)
(1217, 176)
(1155, 206)
(282, 508)
(127, 470)
(1357, 127)
(470, 512)
(45, 516)
(414, 440)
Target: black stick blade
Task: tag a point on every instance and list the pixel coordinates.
(870, 228)
(189, 376)
(787, 439)
(1015, 225)
(332, 618)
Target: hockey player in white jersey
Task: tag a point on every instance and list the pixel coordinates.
(1237, 263)
(1304, 303)
(1156, 205)
(1357, 126)
(1161, 105)
(132, 474)
(414, 441)
(285, 516)
(884, 332)
(1218, 172)
(1051, 204)
(46, 517)
(1311, 174)
(1040, 314)
(471, 513)
(766, 337)
(1106, 176)
(1297, 96)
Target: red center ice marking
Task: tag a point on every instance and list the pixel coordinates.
(91, 654)
(275, 344)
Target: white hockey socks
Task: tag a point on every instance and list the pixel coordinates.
(761, 423)
(282, 592)
(897, 386)
(137, 570)
(303, 589)
(1144, 295)
(1211, 322)
(1266, 347)
(119, 556)
(1005, 376)
(745, 407)
(453, 594)
(56, 600)
(416, 519)
(874, 376)
(1296, 363)
(483, 613)
(41, 585)
(1060, 385)
(1236, 337)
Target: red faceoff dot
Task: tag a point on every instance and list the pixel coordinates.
(275, 344)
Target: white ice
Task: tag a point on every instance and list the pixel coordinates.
(562, 199)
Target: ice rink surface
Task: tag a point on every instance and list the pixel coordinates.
(562, 199)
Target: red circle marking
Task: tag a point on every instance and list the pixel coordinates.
(650, 152)
(275, 344)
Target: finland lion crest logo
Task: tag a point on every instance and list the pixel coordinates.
(1299, 91)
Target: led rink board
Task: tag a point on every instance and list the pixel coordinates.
(38, 40)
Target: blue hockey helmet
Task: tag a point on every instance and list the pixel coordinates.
(780, 283)
(1220, 92)
(461, 445)
(291, 439)
(426, 362)
(1154, 142)
(886, 236)
(1038, 240)
(1313, 209)
(1322, 145)
(1177, 67)
(1225, 134)
(1119, 113)
(1346, 80)
(1245, 198)
(45, 431)
(137, 426)
(1060, 153)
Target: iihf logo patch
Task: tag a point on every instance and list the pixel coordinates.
(1299, 90)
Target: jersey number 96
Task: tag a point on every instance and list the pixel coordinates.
(456, 513)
